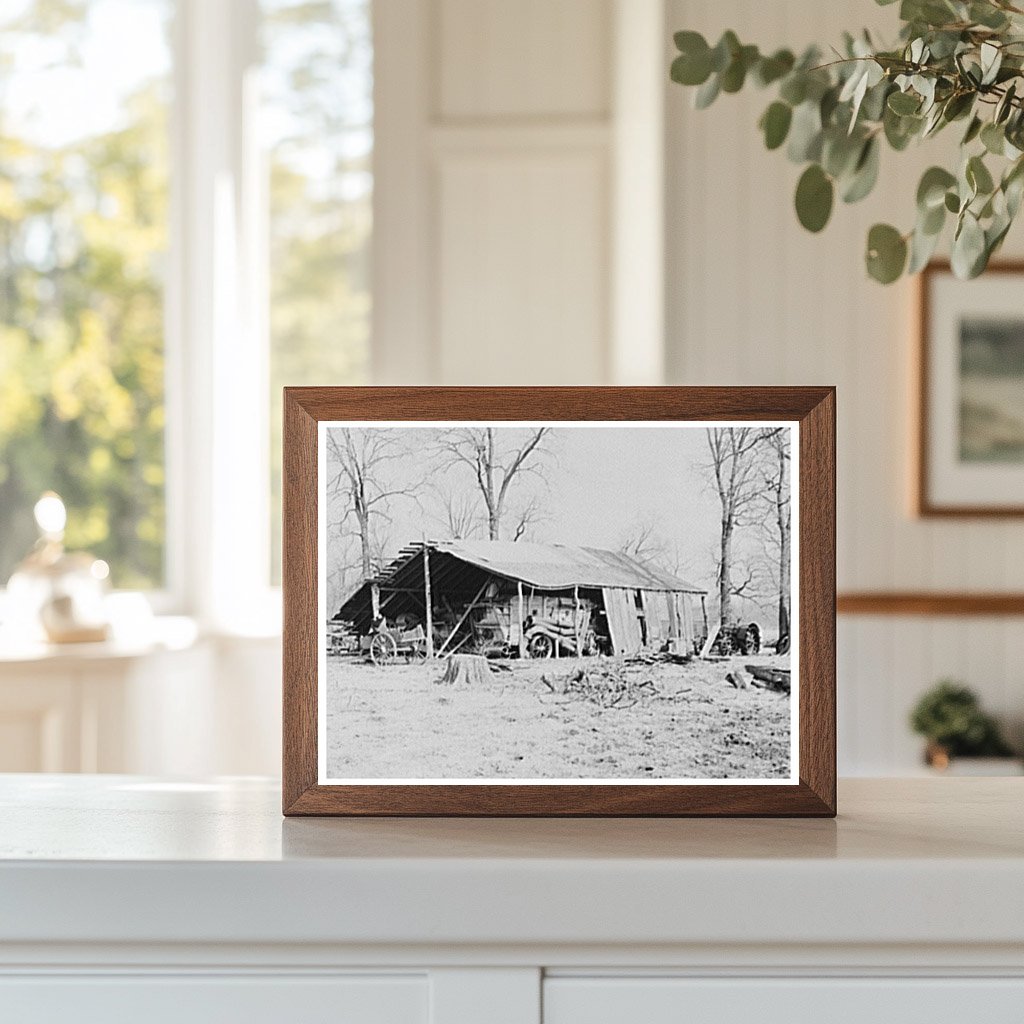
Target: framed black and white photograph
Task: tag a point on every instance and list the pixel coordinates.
(526, 612)
(970, 452)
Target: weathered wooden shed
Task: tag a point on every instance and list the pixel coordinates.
(470, 584)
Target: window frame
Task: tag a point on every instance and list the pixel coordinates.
(217, 345)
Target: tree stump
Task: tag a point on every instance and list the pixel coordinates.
(471, 669)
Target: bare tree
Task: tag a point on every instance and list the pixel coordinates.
(345, 561)
(360, 459)
(459, 514)
(776, 478)
(526, 517)
(642, 543)
(498, 459)
(735, 463)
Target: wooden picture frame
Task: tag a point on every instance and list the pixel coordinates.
(808, 791)
(933, 374)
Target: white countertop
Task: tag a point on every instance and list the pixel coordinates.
(120, 859)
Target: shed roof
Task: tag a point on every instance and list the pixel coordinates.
(557, 566)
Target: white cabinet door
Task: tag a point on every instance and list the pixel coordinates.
(202, 999)
(782, 1001)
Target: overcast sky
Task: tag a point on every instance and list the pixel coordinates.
(601, 484)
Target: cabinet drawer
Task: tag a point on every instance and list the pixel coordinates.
(782, 1001)
(202, 999)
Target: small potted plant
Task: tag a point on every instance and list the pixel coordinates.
(950, 718)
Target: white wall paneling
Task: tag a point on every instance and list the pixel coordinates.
(498, 995)
(751, 298)
(211, 998)
(519, 259)
(664, 1000)
(513, 167)
(638, 224)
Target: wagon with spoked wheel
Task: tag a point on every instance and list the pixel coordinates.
(388, 645)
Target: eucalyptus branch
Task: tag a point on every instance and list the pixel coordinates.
(956, 61)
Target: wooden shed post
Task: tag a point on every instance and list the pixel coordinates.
(522, 637)
(576, 619)
(430, 610)
(375, 600)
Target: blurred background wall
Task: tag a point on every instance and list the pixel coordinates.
(413, 191)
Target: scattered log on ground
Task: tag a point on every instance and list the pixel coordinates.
(468, 669)
(770, 678)
(739, 679)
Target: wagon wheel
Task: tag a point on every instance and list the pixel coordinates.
(383, 649)
(418, 652)
(751, 640)
(540, 645)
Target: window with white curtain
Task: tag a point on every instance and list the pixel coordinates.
(122, 183)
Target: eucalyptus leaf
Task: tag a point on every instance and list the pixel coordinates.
(900, 130)
(978, 176)
(827, 106)
(958, 105)
(865, 173)
(922, 248)
(724, 51)
(968, 248)
(991, 60)
(931, 190)
(794, 88)
(929, 12)
(775, 124)
(932, 221)
(1005, 105)
(973, 130)
(933, 122)
(840, 152)
(805, 133)
(1013, 187)
(873, 106)
(771, 69)
(814, 196)
(925, 87)
(707, 93)
(735, 74)
(886, 253)
(987, 15)
(904, 103)
(691, 70)
(993, 138)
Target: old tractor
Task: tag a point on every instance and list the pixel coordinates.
(736, 638)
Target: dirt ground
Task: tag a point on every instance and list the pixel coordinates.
(400, 722)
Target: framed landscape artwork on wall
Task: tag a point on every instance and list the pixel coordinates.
(970, 450)
(588, 601)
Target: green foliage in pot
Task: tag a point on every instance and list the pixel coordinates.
(950, 717)
(957, 62)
